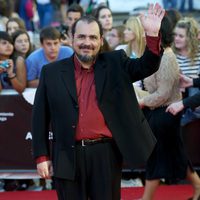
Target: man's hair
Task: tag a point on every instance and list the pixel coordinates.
(5, 36)
(50, 33)
(75, 8)
(88, 19)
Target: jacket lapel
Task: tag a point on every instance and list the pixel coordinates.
(99, 76)
(68, 76)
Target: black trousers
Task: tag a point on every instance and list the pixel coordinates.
(98, 174)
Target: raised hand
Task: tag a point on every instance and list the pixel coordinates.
(152, 20)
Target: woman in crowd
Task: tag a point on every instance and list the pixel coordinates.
(14, 24)
(187, 50)
(116, 36)
(186, 46)
(168, 159)
(22, 44)
(134, 36)
(11, 76)
(104, 15)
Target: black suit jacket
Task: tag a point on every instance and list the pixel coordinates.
(56, 102)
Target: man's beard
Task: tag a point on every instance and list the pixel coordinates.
(86, 58)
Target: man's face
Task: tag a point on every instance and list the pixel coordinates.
(71, 18)
(87, 41)
(51, 48)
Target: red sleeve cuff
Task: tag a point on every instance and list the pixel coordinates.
(154, 44)
(42, 159)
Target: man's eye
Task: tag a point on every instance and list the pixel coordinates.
(81, 36)
(93, 37)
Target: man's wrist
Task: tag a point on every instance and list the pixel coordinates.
(41, 159)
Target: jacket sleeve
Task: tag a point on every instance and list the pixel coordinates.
(192, 102)
(41, 120)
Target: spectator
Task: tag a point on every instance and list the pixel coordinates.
(104, 15)
(134, 35)
(45, 11)
(74, 12)
(22, 45)
(3, 15)
(64, 4)
(25, 8)
(14, 24)
(14, 76)
(50, 51)
(187, 50)
(116, 36)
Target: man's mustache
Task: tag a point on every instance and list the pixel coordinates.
(86, 47)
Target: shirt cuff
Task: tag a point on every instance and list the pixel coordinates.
(41, 159)
(154, 43)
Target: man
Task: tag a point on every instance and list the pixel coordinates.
(94, 114)
(51, 50)
(74, 12)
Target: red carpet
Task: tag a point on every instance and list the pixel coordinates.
(172, 192)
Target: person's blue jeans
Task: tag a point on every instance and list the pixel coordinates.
(190, 5)
(46, 13)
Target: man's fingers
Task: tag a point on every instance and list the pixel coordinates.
(45, 169)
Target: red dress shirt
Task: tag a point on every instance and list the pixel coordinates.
(91, 123)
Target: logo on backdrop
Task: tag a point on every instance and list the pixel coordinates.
(5, 115)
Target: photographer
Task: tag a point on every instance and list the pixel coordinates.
(74, 12)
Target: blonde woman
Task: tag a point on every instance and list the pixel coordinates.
(134, 36)
(186, 46)
(187, 50)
